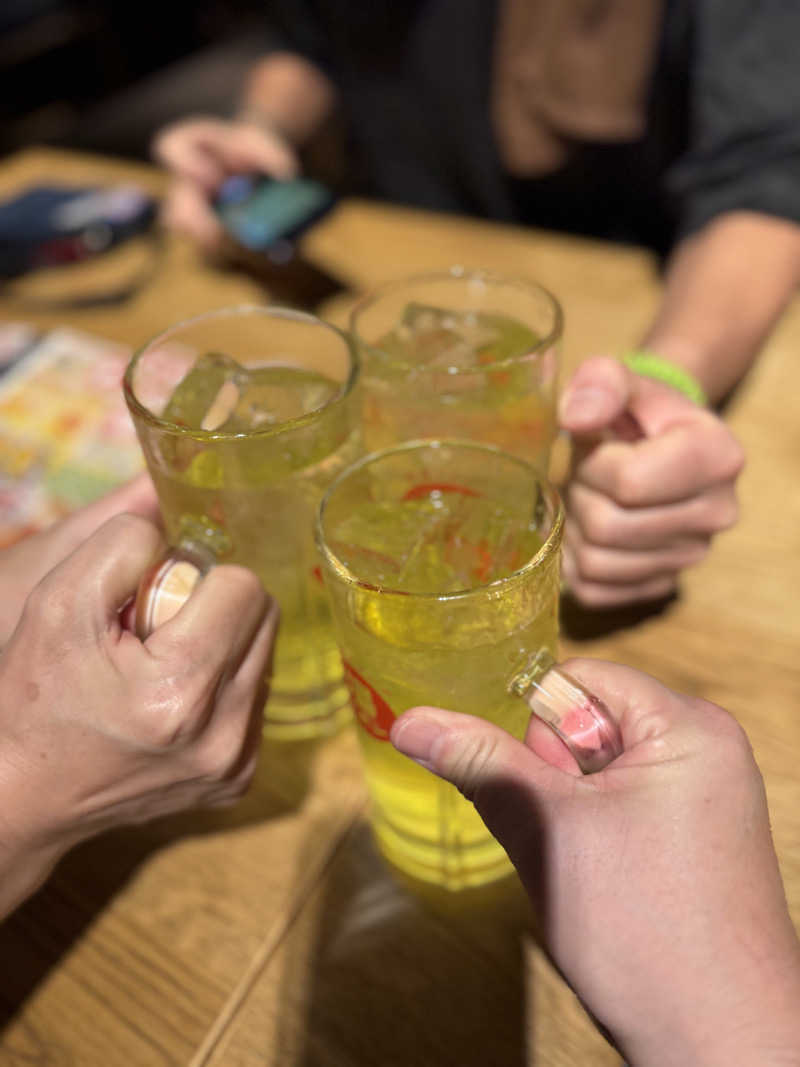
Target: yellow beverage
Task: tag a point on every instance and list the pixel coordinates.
(465, 355)
(240, 452)
(442, 565)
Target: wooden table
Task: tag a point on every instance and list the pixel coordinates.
(272, 934)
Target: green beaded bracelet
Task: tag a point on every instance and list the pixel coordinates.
(649, 365)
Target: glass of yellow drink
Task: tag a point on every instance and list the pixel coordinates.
(462, 353)
(442, 562)
(245, 415)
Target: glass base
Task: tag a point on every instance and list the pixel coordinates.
(296, 717)
(462, 867)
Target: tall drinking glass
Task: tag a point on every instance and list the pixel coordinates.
(442, 561)
(462, 353)
(245, 415)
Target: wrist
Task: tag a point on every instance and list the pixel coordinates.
(703, 359)
(289, 96)
(740, 1022)
(31, 840)
(649, 364)
(269, 124)
(24, 866)
(766, 1048)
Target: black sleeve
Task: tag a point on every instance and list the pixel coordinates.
(299, 26)
(744, 113)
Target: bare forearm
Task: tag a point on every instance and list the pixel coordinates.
(291, 94)
(19, 879)
(726, 287)
(24, 864)
(762, 1029)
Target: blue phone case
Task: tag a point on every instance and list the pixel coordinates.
(260, 213)
(49, 225)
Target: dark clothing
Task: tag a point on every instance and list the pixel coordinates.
(723, 130)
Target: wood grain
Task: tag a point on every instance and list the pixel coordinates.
(273, 934)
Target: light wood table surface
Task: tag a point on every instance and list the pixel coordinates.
(272, 934)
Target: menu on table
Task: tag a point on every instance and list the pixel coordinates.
(65, 433)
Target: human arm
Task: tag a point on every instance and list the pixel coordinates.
(734, 190)
(735, 193)
(289, 93)
(98, 729)
(285, 100)
(725, 288)
(655, 880)
(639, 512)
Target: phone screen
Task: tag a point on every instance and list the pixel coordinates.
(261, 212)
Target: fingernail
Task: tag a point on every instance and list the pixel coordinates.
(415, 737)
(585, 404)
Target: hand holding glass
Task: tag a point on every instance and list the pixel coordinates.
(244, 416)
(442, 562)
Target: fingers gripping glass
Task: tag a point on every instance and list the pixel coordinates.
(245, 415)
(579, 718)
(441, 559)
(167, 585)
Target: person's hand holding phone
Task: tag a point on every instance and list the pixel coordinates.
(201, 154)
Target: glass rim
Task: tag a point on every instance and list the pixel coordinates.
(352, 581)
(461, 273)
(138, 409)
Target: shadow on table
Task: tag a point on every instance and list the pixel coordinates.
(585, 624)
(42, 930)
(397, 973)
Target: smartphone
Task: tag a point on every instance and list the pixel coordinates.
(263, 219)
(261, 213)
(46, 226)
